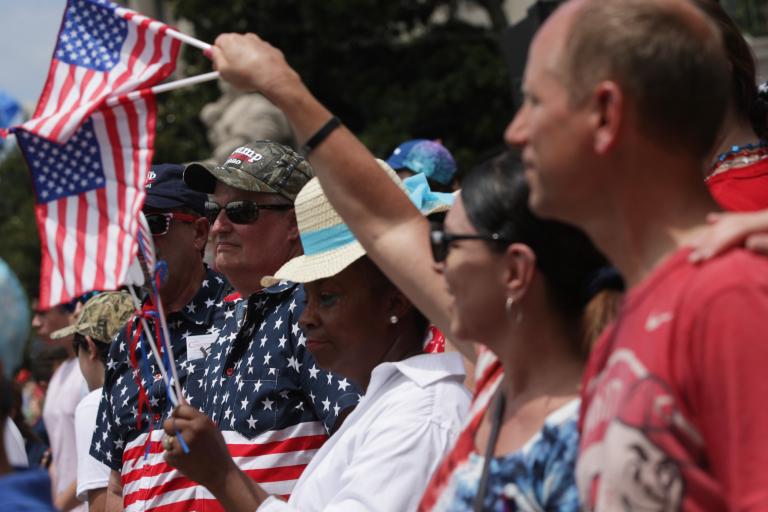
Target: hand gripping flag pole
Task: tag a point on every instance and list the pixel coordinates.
(151, 280)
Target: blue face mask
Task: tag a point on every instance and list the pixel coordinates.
(14, 319)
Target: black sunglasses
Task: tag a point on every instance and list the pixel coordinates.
(160, 223)
(441, 241)
(241, 212)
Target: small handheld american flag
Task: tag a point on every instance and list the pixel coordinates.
(88, 193)
(89, 144)
(102, 50)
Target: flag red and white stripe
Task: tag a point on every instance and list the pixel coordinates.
(87, 224)
(102, 50)
(275, 459)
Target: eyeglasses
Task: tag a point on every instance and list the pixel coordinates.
(441, 241)
(160, 223)
(241, 212)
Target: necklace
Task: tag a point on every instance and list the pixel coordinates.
(739, 156)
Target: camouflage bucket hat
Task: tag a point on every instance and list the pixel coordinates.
(101, 318)
(262, 166)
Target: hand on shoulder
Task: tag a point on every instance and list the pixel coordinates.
(728, 230)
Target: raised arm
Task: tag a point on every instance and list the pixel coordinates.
(383, 219)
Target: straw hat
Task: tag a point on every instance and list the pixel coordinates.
(329, 245)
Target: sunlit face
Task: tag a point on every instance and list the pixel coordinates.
(346, 321)
(474, 276)
(180, 248)
(247, 252)
(551, 132)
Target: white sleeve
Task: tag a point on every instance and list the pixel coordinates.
(14, 445)
(389, 470)
(91, 473)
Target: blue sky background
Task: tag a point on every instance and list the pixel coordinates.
(28, 31)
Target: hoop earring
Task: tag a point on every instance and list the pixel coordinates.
(393, 319)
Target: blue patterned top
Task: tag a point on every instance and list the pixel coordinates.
(540, 476)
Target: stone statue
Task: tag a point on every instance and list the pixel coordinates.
(238, 118)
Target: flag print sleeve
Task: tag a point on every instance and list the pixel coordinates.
(330, 394)
(107, 443)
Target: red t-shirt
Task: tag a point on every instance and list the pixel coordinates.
(674, 395)
(741, 189)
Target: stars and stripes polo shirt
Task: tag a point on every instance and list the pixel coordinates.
(129, 442)
(272, 403)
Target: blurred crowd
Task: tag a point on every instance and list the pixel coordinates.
(576, 323)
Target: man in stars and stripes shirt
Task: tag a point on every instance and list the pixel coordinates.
(262, 387)
(102, 50)
(134, 401)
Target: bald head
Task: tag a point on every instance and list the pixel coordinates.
(666, 55)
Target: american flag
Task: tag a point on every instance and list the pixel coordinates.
(89, 191)
(102, 50)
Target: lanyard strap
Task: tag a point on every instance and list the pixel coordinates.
(498, 414)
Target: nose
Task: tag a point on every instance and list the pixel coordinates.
(516, 133)
(309, 320)
(221, 224)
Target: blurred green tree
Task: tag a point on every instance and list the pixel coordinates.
(19, 244)
(390, 70)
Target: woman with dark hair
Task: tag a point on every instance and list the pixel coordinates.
(738, 174)
(534, 295)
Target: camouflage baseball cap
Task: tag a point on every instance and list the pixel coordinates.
(101, 317)
(261, 166)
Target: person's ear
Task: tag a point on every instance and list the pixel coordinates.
(293, 228)
(202, 227)
(608, 110)
(398, 305)
(521, 266)
(93, 352)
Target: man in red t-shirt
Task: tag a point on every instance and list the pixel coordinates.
(623, 101)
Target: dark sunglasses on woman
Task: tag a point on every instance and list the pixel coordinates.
(441, 241)
(240, 212)
(160, 223)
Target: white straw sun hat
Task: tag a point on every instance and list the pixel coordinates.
(329, 245)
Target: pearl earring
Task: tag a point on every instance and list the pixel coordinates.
(393, 319)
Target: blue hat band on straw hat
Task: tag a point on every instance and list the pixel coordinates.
(326, 239)
(420, 194)
(337, 236)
